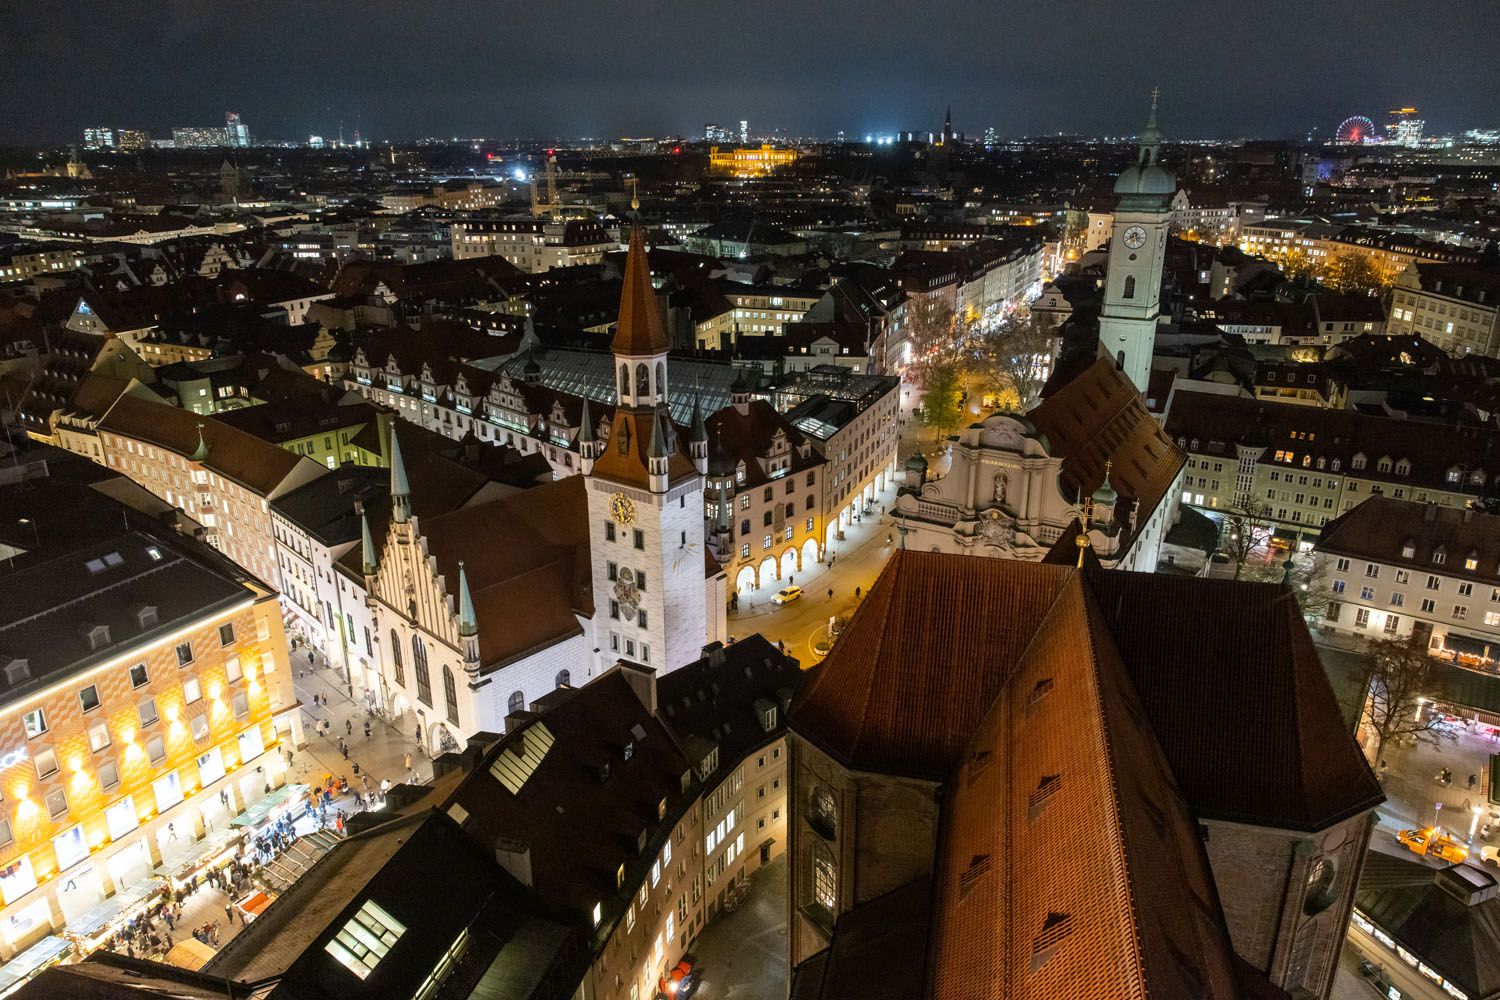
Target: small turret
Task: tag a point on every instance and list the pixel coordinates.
(589, 445)
(367, 545)
(468, 623)
(400, 488)
(658, 454)
(698, 438)
(739, 393)
(200, 453)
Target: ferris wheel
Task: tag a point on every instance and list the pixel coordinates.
(1354, 130)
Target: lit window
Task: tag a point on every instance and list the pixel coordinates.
(368, 937)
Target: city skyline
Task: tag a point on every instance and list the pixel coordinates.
(549, 72)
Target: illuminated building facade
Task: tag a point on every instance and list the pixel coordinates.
(753, 162)
(145, 686)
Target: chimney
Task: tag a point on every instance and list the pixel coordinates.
(1429, 513)
(515, 857)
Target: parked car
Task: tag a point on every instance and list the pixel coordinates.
(786, 595)
(679, 984)
(1490, 855)
(1433, 844)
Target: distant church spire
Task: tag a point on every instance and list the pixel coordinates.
(367, 544)
(468, 621)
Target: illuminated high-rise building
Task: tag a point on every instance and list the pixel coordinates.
(236, 132)
(744, 131)
(98, 138)
(129, 138)
(1403, 127)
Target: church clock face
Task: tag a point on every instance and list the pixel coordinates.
(1135, 237)
(621, 509)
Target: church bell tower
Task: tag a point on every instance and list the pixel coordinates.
(1137, 253)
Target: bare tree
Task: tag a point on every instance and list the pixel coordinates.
(1400, 673)
(1247, 526)
(1309, 582)
(1012, 361)
(930, 325)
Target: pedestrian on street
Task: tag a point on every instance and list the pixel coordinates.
(790, 579)
(407, 764)
(344, 749)
(310, 658)
(830, 593)
(348, 727)
(229, 912)
(367, 729)
(856, 593)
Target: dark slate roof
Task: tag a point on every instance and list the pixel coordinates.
(1462, 943)
(718, 699)
(878, 951)
(1380, 528)
(396, 866)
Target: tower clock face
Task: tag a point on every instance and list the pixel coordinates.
(1135, 237)
(621, 509)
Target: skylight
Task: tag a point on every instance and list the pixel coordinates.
(366, 939)
(517, 762)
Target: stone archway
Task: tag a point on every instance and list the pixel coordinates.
(399, 705)
(768, 571)
(745, 580)
(809, 552)
(790, 562)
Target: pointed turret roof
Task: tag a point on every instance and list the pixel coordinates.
(585, 424)
(400, 487)
(468, 621)
(200, 453)
(367, 545)
(640, 330)
(658, 447)
(697, 432)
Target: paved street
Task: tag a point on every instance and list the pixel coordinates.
(743, 955)
(382, 755)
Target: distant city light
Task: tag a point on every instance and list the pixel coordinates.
(519, 173)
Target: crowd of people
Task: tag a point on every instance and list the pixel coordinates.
(152, 932)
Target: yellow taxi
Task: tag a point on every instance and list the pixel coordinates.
(1432, 843)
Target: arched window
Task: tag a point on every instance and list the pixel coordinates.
(419, 664)
(396, 658)
(1129, 286)
(661, 378)
(642, 382)
(745, 526)
(765, 519)
(450, 694)
(1322, 880)
(791, 511)
(1120, 360)
(564, 678)
(825, 880)
(516, 703)
(823, 812)
(624, 381)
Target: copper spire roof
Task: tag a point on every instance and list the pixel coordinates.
(639, 331)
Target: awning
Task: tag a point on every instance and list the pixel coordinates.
(96, 917)
(31, 961)
(258, 813)
(190, 954)
(1482, 648)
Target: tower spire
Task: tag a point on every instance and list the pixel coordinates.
(468, 621)
(400, 487)
(200, 453)
(639, 331)
(367, 544)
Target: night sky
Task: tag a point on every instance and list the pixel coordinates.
(571, 68)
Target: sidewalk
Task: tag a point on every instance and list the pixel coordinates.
(382, 755)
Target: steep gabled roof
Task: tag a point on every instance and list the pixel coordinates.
(639, 331)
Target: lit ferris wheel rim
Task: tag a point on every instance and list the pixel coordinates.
(1355, 129)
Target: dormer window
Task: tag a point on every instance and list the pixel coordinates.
(1439, 556)
(1408, 549)
(146, 617)
(1471, 561)
(17, 671)
(98, 636)
(1357, 462)
(1384, 465)
(1455, 475)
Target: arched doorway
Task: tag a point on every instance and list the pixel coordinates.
(768, 572)
(789, 564)
(745, 580)
(399, 705)
(809, 552)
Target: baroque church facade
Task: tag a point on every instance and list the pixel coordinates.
(1090, 452)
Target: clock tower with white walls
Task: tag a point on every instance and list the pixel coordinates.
(645, 498)
(1137, 253)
